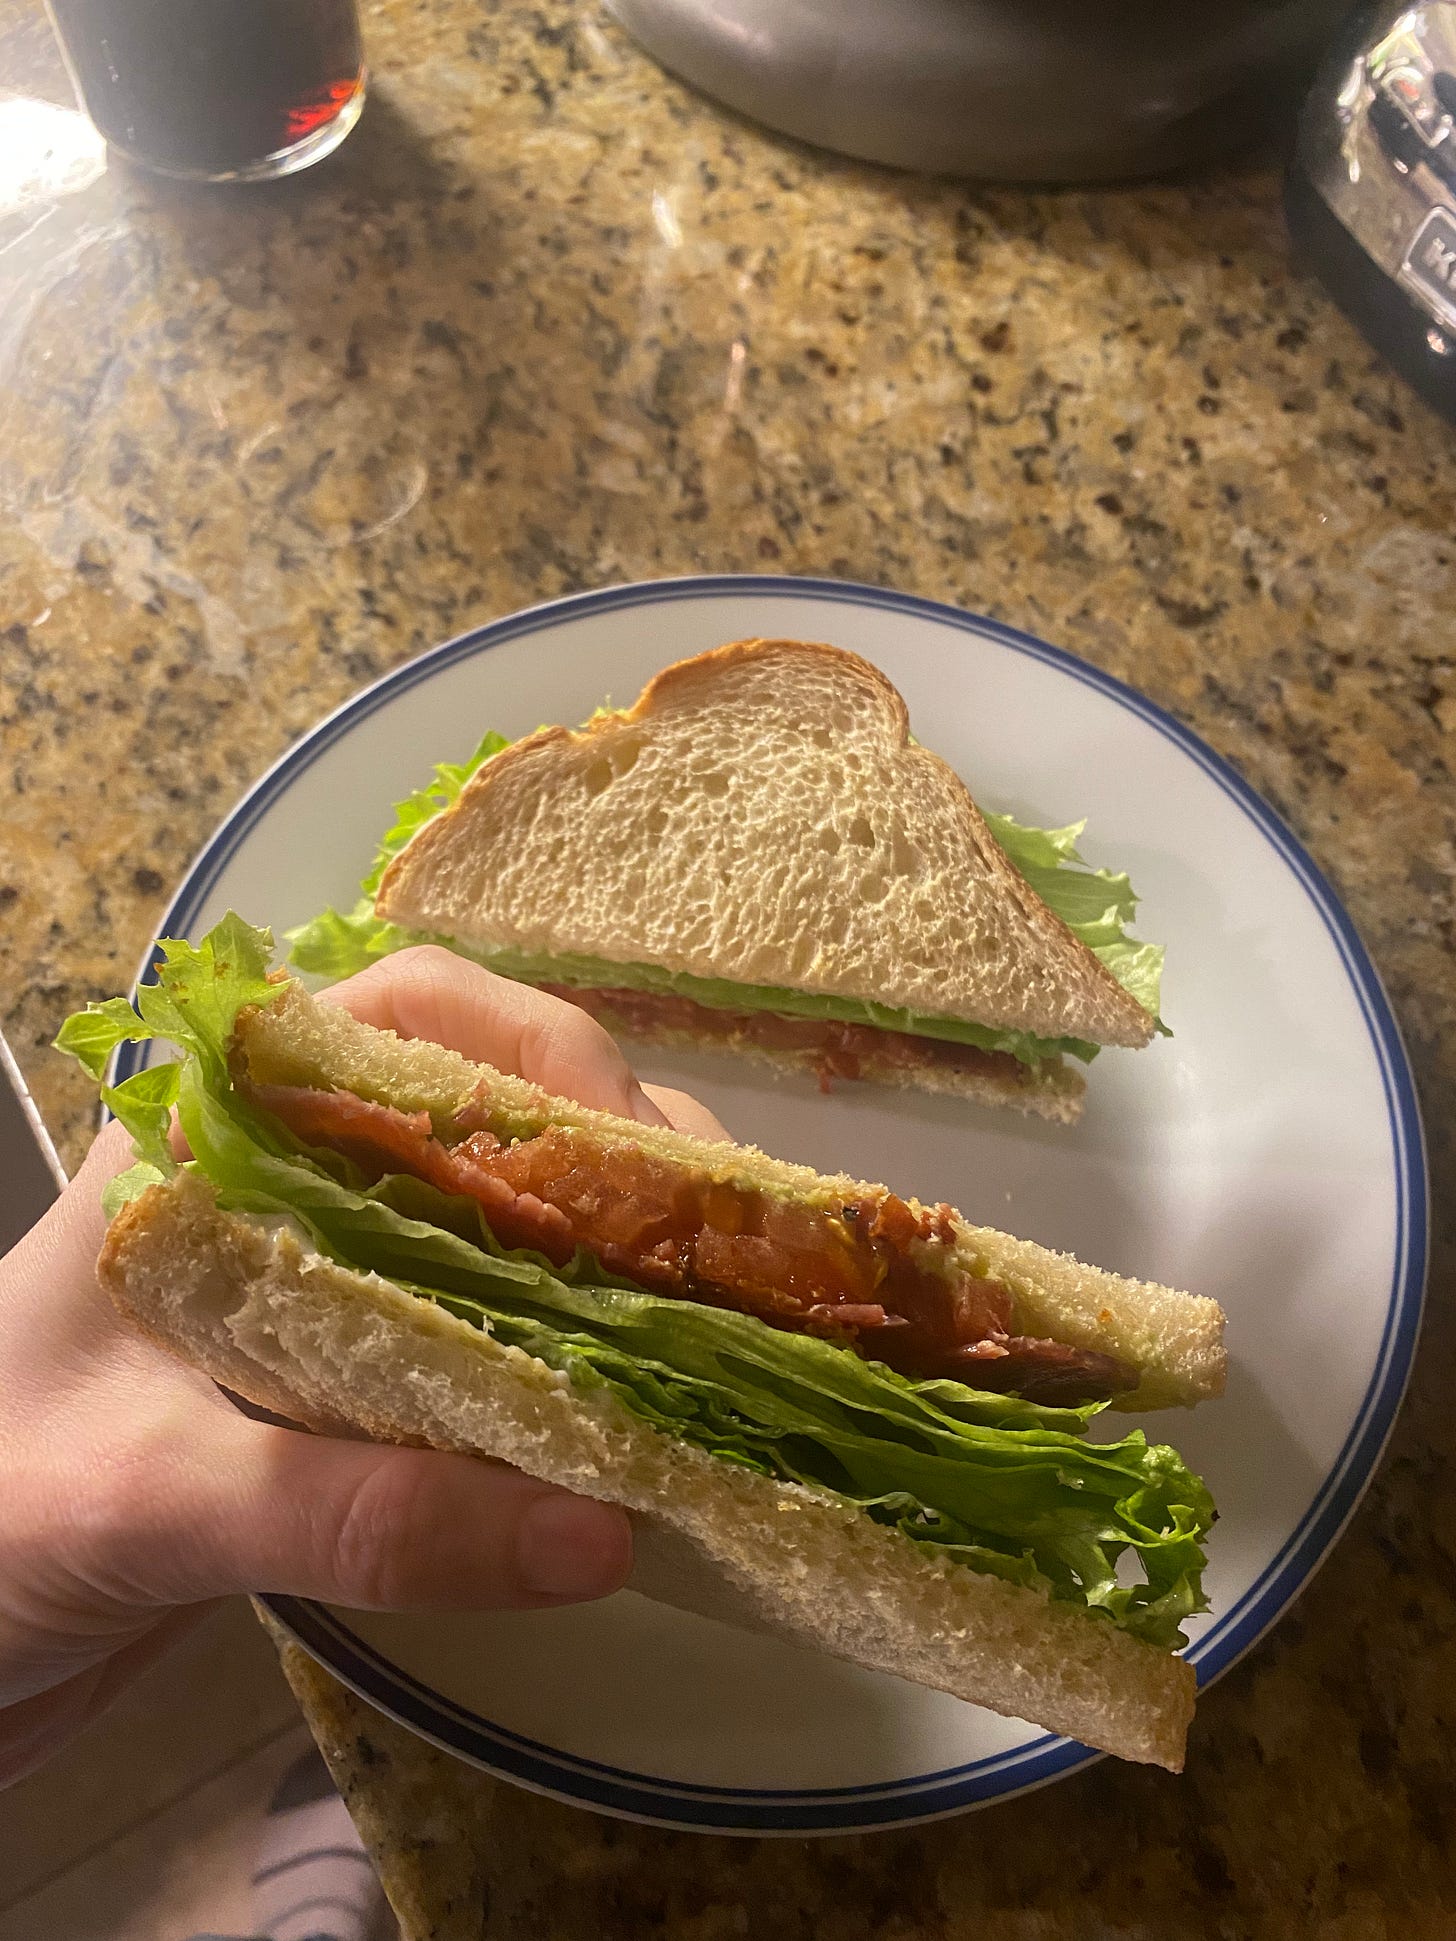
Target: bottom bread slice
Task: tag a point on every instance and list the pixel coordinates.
(343, 1351)
(1056, 1092)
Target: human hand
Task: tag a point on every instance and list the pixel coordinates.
(135, 1495)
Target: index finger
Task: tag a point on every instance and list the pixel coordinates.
(427, 992)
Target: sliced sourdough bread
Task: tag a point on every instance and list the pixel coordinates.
(1174, 1340)
(342, 1351)
(760, 815)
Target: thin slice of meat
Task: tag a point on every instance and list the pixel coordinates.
(1050, 1372)
(380, 1139)
(863, 1274)
(834, 1049)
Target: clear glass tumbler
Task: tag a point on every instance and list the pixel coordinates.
(216, 90)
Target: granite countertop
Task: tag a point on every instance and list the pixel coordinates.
(549, 321)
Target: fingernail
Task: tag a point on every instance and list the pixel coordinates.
(569, 1547)
(643, 1110)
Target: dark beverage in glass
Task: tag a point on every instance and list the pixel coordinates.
(216, 89)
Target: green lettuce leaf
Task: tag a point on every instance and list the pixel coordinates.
(339, 943)
(722, 994)
(93, 1035)
(995, 1483)
(195, 1003)
(411, 815)
(1094, 904)
(142, 1102)
(144, 1105)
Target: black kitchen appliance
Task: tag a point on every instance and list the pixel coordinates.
(1371, 193)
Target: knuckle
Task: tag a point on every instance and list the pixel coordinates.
(431, 959)
(124, 1495)
(586, 1040)
(381, 1539)
(559, 1041)
(423, 968)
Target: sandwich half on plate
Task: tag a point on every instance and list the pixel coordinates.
(845, 1416)
(756, 856)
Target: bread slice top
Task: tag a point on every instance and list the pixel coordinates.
(1174, 1340)
(761, 815)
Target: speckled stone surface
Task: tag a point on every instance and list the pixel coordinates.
(549, 321)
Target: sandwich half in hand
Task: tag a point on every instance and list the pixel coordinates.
(846, 1416)
(756, 856)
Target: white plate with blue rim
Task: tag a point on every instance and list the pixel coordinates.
(1269, 1154)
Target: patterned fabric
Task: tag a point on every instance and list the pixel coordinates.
(313, 1880)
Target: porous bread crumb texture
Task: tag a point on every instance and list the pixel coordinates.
(330, 1347)
(1174, 1340)
(759, 814)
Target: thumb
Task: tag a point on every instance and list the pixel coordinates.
(374, 1527)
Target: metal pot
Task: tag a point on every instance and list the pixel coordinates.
(1008, 90)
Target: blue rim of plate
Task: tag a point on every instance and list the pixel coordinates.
(1045, 1758)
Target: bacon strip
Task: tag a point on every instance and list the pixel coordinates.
(833, 1049)
(847, 1273)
